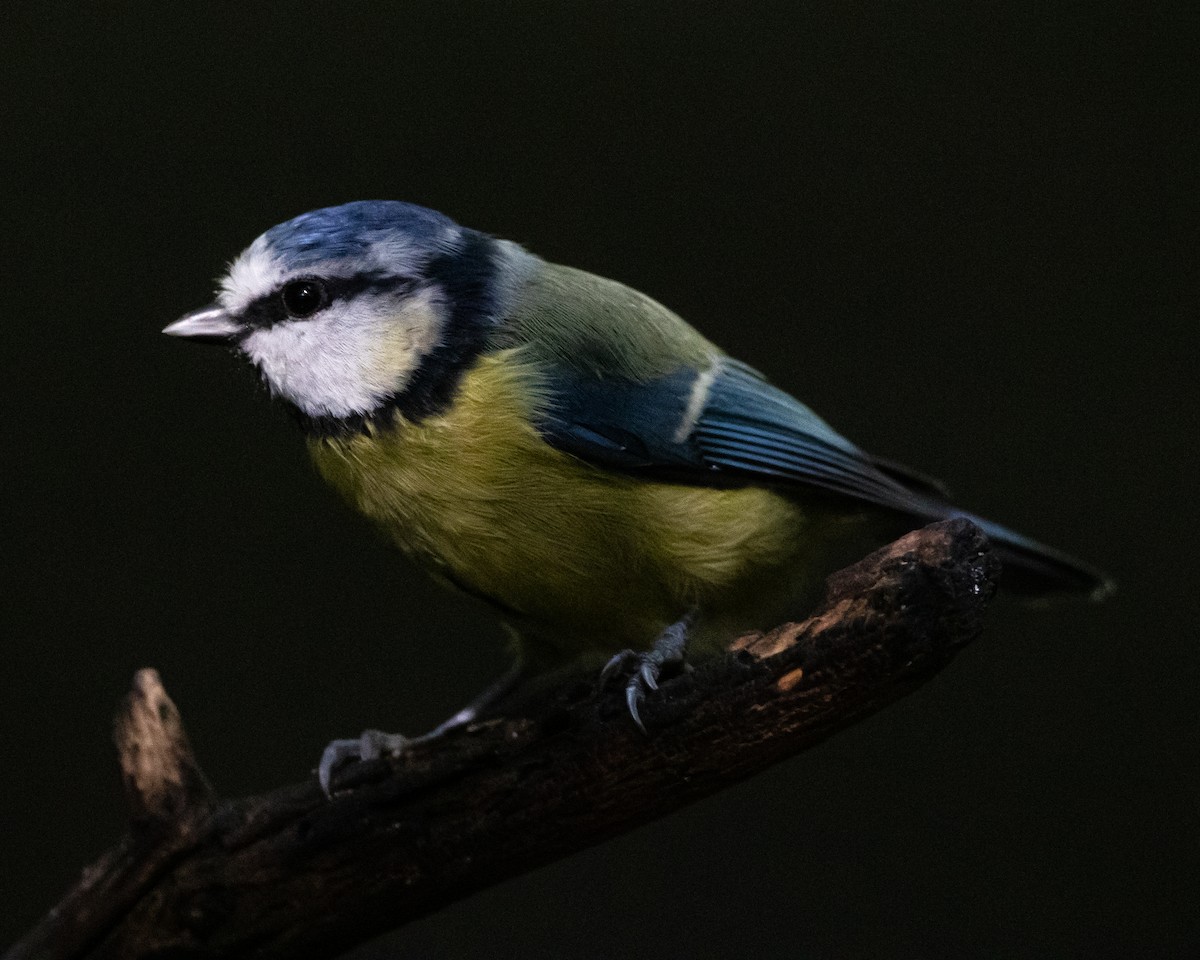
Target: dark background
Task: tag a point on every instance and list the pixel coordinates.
(964, 233)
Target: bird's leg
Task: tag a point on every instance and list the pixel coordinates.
(489, 698)
(373, 744)
(667, 651)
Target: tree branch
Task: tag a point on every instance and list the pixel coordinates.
(291, 874)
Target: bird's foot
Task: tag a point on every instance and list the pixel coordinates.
(372, 745)
(665, 655)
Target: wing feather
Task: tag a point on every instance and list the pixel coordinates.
(746, 431)
(662, 402)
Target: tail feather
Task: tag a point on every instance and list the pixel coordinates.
(1033, 569)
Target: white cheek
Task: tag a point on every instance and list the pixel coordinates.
(349, 360)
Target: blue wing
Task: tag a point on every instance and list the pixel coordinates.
(728, 426)
(723, 426)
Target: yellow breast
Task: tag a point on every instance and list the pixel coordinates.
(579, 557)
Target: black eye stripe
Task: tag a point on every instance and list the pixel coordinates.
(467, 278)
(269, 309)
(342, 288)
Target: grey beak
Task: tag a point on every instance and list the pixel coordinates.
(209, 324)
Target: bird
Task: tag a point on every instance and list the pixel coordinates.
(562, 446)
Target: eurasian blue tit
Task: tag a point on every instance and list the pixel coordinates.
(559, 444)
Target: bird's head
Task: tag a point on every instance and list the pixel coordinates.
(370, 306)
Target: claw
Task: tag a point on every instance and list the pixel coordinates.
(372, 745)
(667, 651)
(617, 664)
(375, 743)
(633, 697)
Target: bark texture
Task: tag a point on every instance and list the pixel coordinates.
(291, 874)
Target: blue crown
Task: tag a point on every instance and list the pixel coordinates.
(348, 230)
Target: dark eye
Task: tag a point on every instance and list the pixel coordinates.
(303, 298)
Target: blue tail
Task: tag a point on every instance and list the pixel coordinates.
(1033, 569)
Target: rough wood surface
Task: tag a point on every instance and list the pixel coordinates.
(291, 874)
(162, 780)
